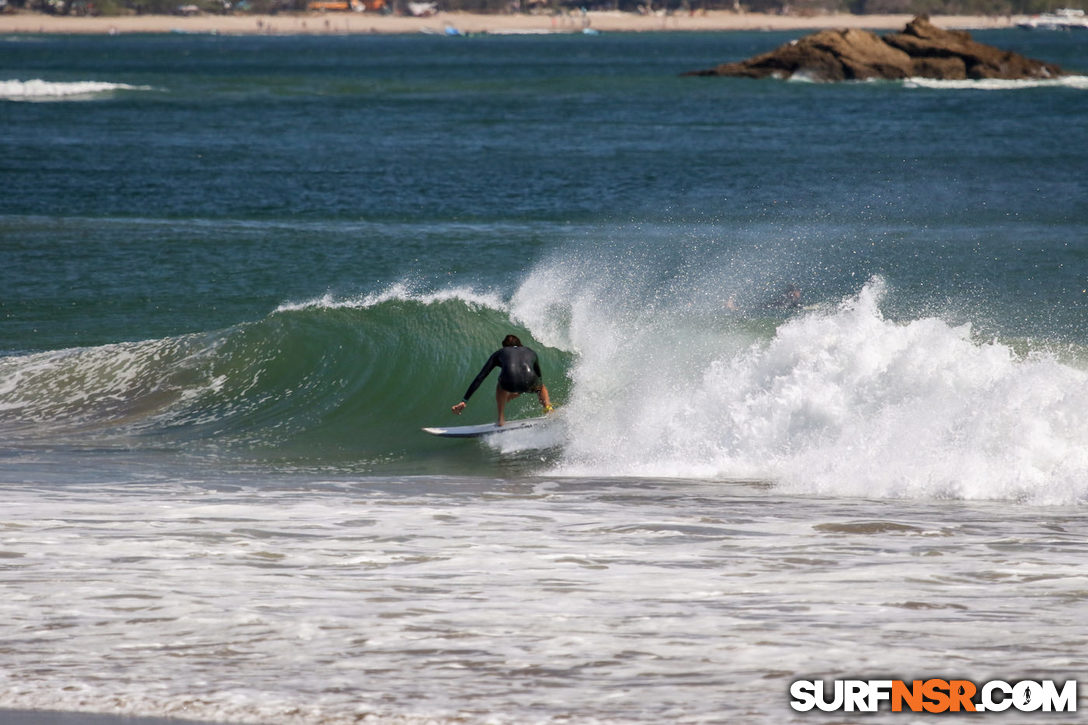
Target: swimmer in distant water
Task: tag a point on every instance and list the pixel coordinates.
(519, 372)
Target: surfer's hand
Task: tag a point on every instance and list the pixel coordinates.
(458, 408)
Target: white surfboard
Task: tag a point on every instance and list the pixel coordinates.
(474, 431)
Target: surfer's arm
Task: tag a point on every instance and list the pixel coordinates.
(484, 372)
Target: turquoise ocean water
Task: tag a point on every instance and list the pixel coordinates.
(238, 275)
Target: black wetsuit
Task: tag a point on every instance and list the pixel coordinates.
(519, 371)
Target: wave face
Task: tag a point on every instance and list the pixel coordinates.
(40, 90)
(652, 380)
(326, 380)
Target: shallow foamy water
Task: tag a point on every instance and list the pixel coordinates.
(628, 600)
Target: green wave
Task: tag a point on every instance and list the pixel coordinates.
(326, 380)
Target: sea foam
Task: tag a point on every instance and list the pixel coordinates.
(838, 401)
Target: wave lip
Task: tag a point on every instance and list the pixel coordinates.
(397, 293)
(41, 90)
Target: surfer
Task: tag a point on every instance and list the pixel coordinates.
(519, 372)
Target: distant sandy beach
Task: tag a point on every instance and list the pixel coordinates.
(339, 23)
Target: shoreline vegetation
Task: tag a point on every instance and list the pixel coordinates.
(350, 23)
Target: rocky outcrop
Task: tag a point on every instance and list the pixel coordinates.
(921, 50)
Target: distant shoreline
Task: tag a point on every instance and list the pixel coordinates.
(53, 717)
(343, 23)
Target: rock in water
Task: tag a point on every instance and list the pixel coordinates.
(953, 55)
(922, 50)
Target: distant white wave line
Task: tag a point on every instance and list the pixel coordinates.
(398, 292)
(38, 89)
(996, 84)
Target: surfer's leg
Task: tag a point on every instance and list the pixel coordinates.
(502, 397)
(545, 401)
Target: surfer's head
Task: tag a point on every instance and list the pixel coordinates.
(511, 341)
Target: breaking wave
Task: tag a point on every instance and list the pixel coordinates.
(40, 90)
(842, 401)
(1079, 83)
(834, 400)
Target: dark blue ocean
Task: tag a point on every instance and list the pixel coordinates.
(239, 274)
